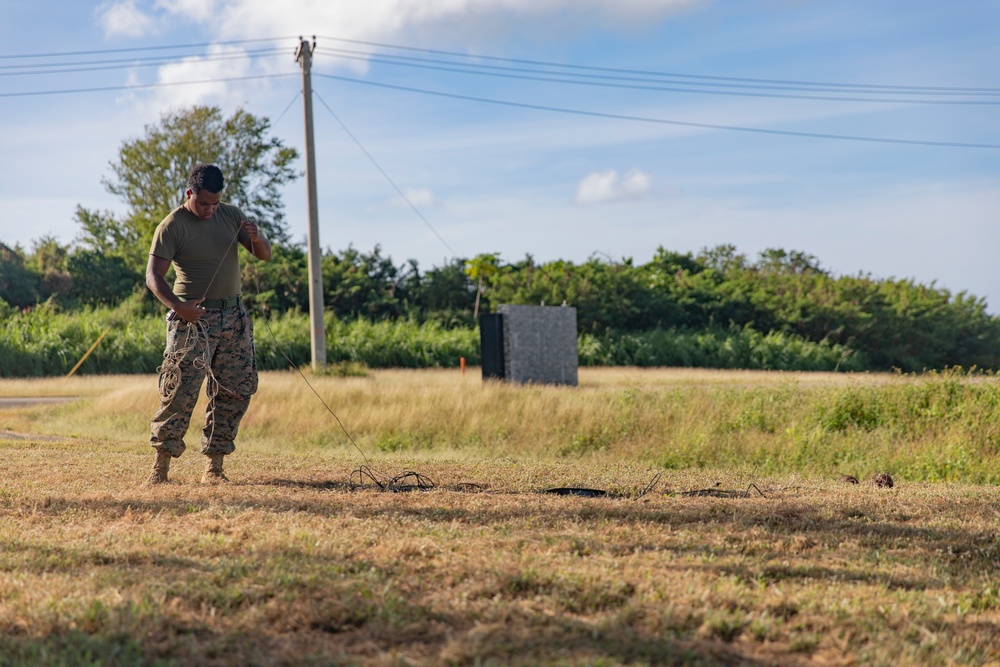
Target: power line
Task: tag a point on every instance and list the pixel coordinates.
(139, 86)
(595, 68)
(131, 64)
(614, 72)
(512, 73)
(383, 172)
(582, 112)
(661, 121)
(649, 78)
(143, 59)
(59, 54)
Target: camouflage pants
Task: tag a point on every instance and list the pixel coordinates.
(223, 340)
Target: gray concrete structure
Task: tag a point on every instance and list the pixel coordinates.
(539, 344)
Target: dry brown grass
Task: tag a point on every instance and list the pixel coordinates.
(287, 566)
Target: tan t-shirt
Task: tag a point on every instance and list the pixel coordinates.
(201, 249)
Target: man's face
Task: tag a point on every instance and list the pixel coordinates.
(203, 203)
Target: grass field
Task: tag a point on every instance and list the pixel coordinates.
(288, 566)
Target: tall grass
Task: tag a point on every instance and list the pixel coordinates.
(735, 347)
(936, 427)
(45, 342)
(385, 344)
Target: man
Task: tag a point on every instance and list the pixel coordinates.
(209, 331)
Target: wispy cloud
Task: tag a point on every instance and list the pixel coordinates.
(607, 186)
(124, 18)
(236, 63)
(382, 19)
(201, 11)
(419, 197)
(459, 24)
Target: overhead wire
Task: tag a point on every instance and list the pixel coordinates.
(128, 63)
(651, 77)
(660, 121)
(142, 86)
(134, 49)
(295, 98)
(598, 68)
(633, 83)
(385, 174)
(565, 69)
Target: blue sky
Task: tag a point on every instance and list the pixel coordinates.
(505, 178)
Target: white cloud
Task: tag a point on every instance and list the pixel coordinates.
(224, 62)
(607, 186)
(419, 197)
(438, 20)
(458, 24)
(123, 18)
(202, 11)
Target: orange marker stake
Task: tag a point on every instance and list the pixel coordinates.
(87, 353)
(461, 364)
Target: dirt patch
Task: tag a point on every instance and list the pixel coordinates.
(14, 435)
(28, 401)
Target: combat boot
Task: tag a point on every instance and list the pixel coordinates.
(213, 470)
(160, 468)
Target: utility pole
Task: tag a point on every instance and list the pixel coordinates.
(317, 329)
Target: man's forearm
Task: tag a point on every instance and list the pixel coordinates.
(262, 248)
(160, 288)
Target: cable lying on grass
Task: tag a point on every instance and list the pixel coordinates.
(404, 481)
(600, 493)
(408, 480)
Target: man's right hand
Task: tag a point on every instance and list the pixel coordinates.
(190, 311)
(156, 270)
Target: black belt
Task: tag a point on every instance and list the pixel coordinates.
(221, 304)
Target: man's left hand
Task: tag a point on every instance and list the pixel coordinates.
(251, 229)
(258, 246)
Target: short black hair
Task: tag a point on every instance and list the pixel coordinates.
(206, 177)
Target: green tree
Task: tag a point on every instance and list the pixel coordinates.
(778, 260)
(150, 176)
(101, 279)
(444, 293)
(357, 284)
(721, 258)
(280, 284)
(48, 259)
(103, 233)
(482, 268)
(19, 284)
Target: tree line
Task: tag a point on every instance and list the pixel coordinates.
(886, 323)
